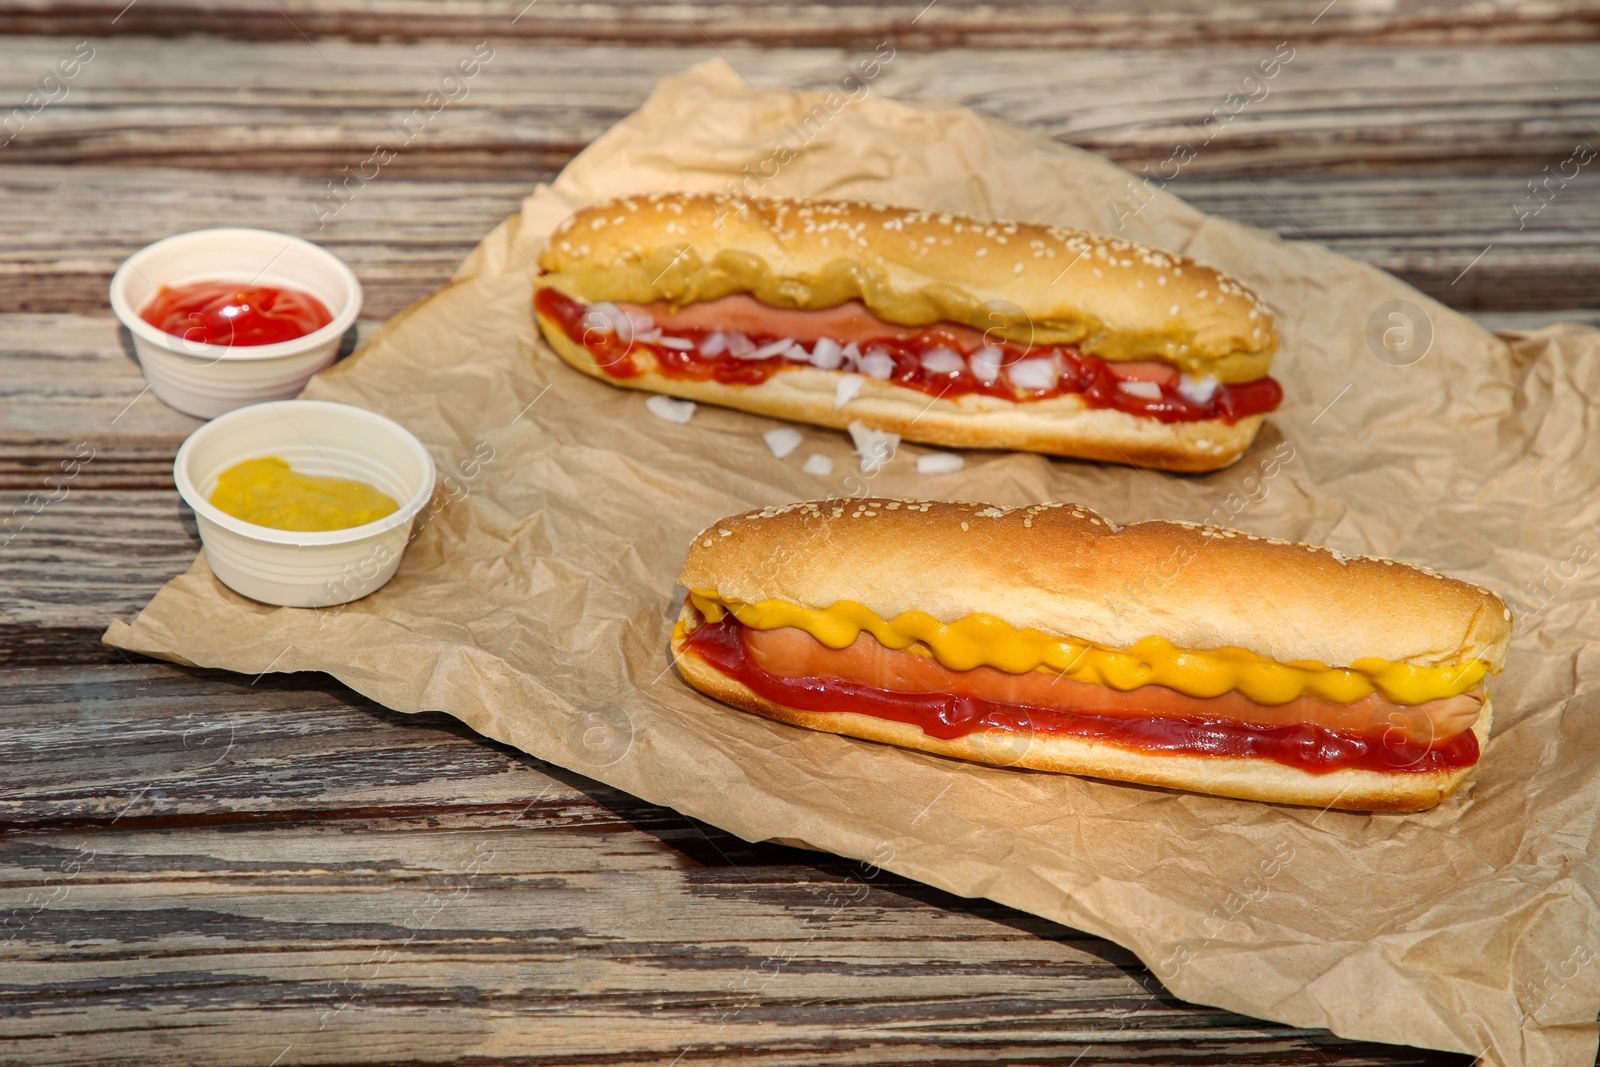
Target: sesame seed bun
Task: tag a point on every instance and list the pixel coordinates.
(1059, 426)
(1064, 570)
(1114, 299)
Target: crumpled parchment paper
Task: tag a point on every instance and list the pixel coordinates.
(536, 602)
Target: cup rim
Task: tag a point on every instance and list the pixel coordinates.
(128, 315)
(401, 516)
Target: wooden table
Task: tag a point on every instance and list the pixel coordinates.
(205, 868)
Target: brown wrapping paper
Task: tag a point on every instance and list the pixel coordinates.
(536, 602)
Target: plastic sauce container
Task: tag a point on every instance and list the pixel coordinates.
(293, 568)
(208, 379)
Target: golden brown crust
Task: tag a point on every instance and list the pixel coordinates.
(1064, 570)
(1063, 426)
(1114, 299)
(1244, 778)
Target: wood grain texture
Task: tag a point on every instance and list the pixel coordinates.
(206, 868)
(265, 107)
(233, 878)
(1418, 166)
(69, 228)
(912, 23)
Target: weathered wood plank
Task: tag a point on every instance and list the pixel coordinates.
(450, 937)
(174, 743)
(914, 24)
(84, 557)
(69, 228)
(238, 106)
(282, 858)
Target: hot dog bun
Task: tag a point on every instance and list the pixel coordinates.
(1028, 284)
(1064, 570)
(1115, 299)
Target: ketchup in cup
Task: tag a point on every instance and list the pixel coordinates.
(227, 313)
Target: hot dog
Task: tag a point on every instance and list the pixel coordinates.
(941, 328)
(1163, 653)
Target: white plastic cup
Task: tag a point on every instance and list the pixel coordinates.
(208, 380)
(291, 568)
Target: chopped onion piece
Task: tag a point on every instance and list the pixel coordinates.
(776, 348)
(847, 389)
(622, 326)
(943, 360)
(680, 344)
(797, 351)
(826, 354)
(819, 465)
(877, 364)
(1198, 390)
(665, 407)
(1147, 390)
(714, 343)
(739, 345)
(875, 447)
(985, 364)
(852, 355)
(940, 463)
(782, 441)
(1034, 374)
(642, 323)
(603, 317)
